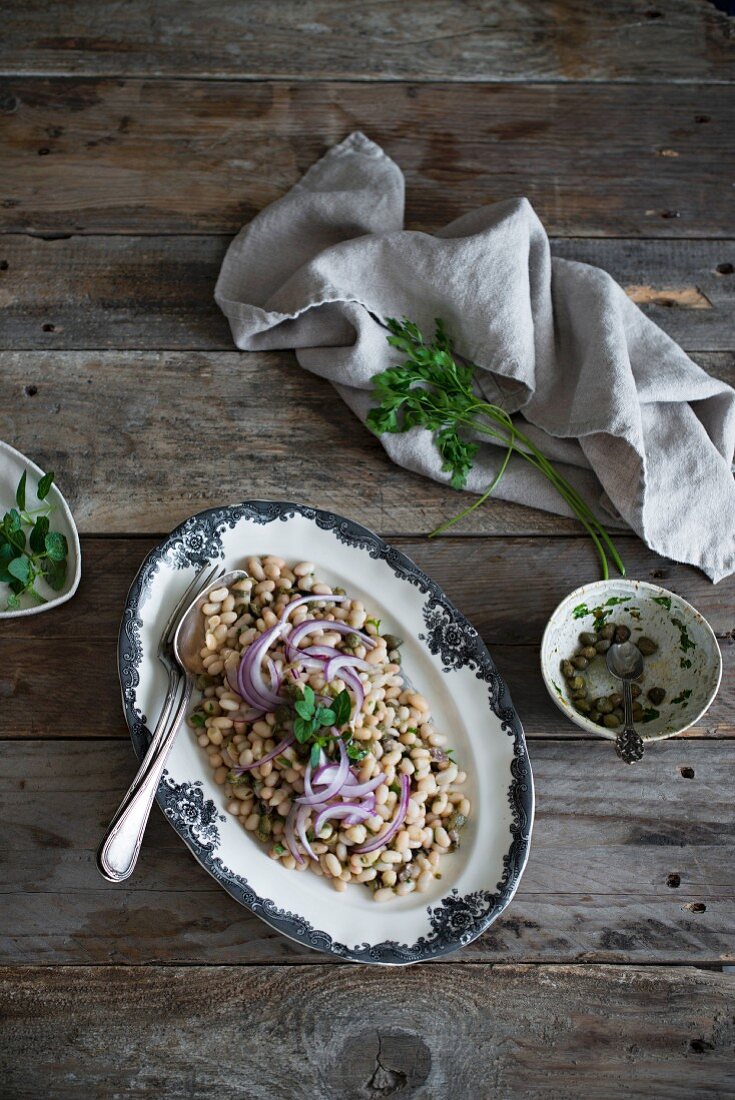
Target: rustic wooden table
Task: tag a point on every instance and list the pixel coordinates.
(136, 138)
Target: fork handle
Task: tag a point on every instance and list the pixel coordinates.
(120, 847)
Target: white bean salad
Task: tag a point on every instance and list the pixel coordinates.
(324, 752)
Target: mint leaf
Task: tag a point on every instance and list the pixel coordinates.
(302, 707)
(302, 730)
(20, 568)
(342, 707)
(37, 540)
(308, 696)
(54, 573)
(56, 545)
(44, 485)
(324, 717)
(20, 492)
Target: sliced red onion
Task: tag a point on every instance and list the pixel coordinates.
(335, 786)
(301, 815)
(273, 673)
(289, 837)
(311, 625)
(353, 681)
(387, 836)
(309, 599)
(249, 715)
(347, 812)
(343, 661)
(250, 681)
(351, 787)
(286, 743)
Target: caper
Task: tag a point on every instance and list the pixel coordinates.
(395, 656)
(647, 646)
(594, 715)
(587, 638)
(611, 721)
(637, 712)
(263, 832)
(616, 699)
(618, 714)
(656, 695)
(583, 706)
(604, 705)
(635, 690)
(392, 641)
(581, 693)
(567, 669)
(603, 645)
(203, 681)
(589, 652)
(456, 820)
(580, 662)
(353, 640)
(576, 683)
(622, 633)
(339, 591)
(608, 631)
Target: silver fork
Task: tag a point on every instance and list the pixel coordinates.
(118, 865)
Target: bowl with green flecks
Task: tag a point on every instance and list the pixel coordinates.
(681, 658)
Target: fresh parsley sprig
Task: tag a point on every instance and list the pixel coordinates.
(433, 389)
(29, 549)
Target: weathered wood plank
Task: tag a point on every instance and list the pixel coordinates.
(626, 866)
(204, 156)
(43, 660)
(116, 426)
(510, 1031)
(624, 40)
(40, 678)
(158, 292)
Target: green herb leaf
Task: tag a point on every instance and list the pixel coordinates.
(314, 756)
(665, 601)
(54, 573)
(37, 540)
(21, 569)
(13, 603)
(197, 720)
(304, 709)
(323, 716)
(683, 696)
(650, 714)
(580, 611)
(56, 545)
(342, 707)
(44, 485)
(302, 730)
(20, 492)
(355, 751)
(279, 849)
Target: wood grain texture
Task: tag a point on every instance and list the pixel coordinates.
(521, 40)
(204, 156)
(158, 292)
(44, 659)
(117, 425)
(608, 843)
(515, 1032)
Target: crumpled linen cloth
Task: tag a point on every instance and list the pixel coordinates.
(643, 433)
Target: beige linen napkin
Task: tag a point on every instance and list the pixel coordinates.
(641, 431)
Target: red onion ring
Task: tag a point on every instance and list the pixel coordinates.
(301, 815)
(334, 787)
(353, 681)
(347, 812)
(289, 837)
(383, 839)
(342, 661)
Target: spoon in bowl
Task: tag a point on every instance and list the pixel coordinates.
(625, 662)
(119, 850)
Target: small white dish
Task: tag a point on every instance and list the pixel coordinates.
(687, 664)
(12, 465)
(444, 658)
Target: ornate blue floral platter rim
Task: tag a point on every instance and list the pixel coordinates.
(483, 884)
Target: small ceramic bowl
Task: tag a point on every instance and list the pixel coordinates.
(687, 663)
(12, 465)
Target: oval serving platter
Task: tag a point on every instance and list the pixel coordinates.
(444, 658)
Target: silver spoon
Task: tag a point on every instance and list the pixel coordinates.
(625, 662)
(119, 850)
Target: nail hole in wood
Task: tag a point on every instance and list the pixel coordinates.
(653, 13)
(4, 265)
(44, 152)
(30, 391)
(673, 880)
(686, 772)
(48, 327)
(725, 269)
(670, 214)
(699, 1046)
(702, 118)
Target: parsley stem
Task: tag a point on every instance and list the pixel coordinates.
(480, 500)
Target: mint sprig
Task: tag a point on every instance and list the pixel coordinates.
(29, 549)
